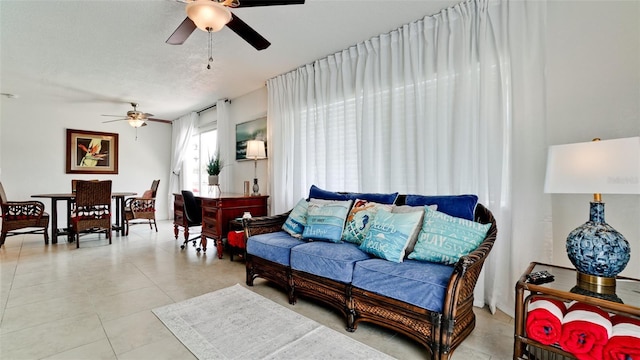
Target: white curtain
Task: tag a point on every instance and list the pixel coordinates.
(181, 131)
(226, 145)
(450, 104)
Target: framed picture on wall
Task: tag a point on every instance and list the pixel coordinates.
(91, 152)
(250, 130)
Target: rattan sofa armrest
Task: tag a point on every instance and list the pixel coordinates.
(264, 224)
(467, 269)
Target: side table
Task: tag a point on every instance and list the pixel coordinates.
(626, 301)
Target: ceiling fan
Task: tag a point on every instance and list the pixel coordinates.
(137, 118)
(213, 15)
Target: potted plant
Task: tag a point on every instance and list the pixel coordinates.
(214, 167)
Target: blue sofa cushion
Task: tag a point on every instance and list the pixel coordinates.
(415, 282)
(274, 246)
(462, 206)
(329, 260)
(317, 193)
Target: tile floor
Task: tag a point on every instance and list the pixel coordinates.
(59, 302)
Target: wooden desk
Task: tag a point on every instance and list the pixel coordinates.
(68, 198)
(216, 214)
(625, 301)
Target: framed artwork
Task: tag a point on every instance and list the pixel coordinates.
(91, 152)
(250, 130)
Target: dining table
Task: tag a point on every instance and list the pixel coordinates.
(119, 225)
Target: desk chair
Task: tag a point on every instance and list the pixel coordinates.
(92, 209)
(142, 208)
(18, 215)
(193, 215)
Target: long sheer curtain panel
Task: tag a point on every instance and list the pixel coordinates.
(449, 104)
(182, 131)
(226, 149)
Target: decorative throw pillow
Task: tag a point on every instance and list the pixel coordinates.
(325, 219)
(462, 206)
(389, 234)
(317, 193)
(359, 220)
(148, 194)
(297, 219)
(444, 238)
(401, 209)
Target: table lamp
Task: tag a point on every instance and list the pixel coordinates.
(256, 150)
(596, 249)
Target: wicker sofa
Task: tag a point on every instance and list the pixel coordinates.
(440, 324)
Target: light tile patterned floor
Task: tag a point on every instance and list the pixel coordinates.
(59, 302)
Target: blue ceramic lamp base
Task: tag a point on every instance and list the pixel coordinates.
(598, 252)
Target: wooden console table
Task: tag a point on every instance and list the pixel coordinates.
(626, 301)
(216, 214)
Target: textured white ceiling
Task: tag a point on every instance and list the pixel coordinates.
(101, 55)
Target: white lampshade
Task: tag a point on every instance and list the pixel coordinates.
(136, 123)
(595, 167)
(256, 149)
(207, 14)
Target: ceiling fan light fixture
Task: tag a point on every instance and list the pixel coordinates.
(208, 15)
(136, 123)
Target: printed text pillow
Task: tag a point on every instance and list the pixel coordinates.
(389, 234)
(295, 223)
(444, 238)
(325, 219)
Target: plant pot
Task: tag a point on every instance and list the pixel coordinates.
(213, 179)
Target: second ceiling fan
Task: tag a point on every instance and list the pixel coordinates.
(213, 15)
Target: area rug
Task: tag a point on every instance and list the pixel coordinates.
(236, 323)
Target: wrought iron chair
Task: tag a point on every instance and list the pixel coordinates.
(19, 215)
(92, 209)
(193, 215)
(142, 208)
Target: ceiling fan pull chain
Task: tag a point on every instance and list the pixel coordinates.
(210, 48)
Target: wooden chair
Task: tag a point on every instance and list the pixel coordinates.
(92, 209)
(18, 215)
(142, 208)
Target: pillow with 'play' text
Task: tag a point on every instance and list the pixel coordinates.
(445, 239)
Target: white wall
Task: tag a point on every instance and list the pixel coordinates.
(593, 90)
(242, 109)
(33, 142)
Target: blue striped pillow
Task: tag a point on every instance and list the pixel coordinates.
(297, 219)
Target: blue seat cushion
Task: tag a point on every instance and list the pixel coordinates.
(415, 282)
(274, 246)
(329, 260)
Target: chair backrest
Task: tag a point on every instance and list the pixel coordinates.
(93, 193)
(74, 184)
(154, 187)
(3, 196)
(192, 210)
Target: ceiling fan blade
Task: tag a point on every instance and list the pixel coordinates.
(247, 33)
(182, 32)
(108, 121)
(251, 3)
(112, 115)
(160, 121)
(146, 115)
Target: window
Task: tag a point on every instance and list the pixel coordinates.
(201, 147)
